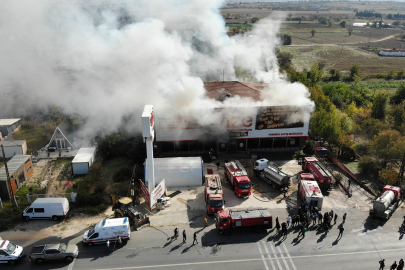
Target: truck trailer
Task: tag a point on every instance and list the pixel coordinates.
(237, 176)
(321, 174)
(214, 195)
(271, 173)
(311, 194)
(386, 204)
(258, 220)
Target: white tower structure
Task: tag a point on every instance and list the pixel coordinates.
(148, 137)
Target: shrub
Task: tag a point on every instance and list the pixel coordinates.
(362, 149)
(313, 31)
(123, 174)
(309, 148)
(335, 74)
(338, 177)
(343, 24)
(369, 165)
(391, 75)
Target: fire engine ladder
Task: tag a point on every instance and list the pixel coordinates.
(241, 168)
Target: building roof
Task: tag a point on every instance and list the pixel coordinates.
(84, 155)
(12, 143)
(68, 131)
(13, 165)
(393, 50)
(9, 122)
(218, 90)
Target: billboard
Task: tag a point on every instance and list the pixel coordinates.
(151, 199)
(257, 122)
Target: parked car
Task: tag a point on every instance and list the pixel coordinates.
(54, 252)
(47, 208)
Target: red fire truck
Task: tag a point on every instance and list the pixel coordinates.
(237, 176)
(258, 220)
(322, 175)
(307, 177)
(214, 195)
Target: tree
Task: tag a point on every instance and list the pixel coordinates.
(323, 21)
(399, 95)
(313, 31)
(354, 71)
(388, 176)
(379, 108)
(391, 75)
(330, 23)
(396, 23)
(350, 30)
(343, 24)
(335, 74)
(254, 20)
(388, 145)
(284, 59)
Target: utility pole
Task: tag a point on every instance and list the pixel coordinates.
(10, 187)
(401, 171)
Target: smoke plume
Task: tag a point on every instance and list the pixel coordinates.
(104, 60)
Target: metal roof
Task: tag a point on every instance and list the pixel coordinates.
(12, 143)
(9, 122)
(84, 155)
(13, 165)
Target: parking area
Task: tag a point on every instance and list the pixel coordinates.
(188, 204)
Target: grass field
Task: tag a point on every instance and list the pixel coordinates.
(334, 57)
(36, 137)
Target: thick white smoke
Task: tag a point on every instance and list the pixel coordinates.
(82, 57)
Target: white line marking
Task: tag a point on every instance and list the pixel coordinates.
(289, 257)
(248, 260)
(275, 257)
(268, 254)
(263, 258)
(71, 264)
(282, 257)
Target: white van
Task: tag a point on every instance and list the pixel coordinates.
(108, 229)
(47, 208)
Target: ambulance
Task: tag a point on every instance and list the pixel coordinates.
(108, 230)
(9, 252)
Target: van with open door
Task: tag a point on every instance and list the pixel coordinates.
(47, 208)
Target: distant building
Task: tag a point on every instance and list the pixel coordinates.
(19, 169)
(83, 160)
(8, 126)
(396, 53)
(63, 136)
(12, 148)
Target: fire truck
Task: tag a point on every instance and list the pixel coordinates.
(307, 176)
(258, 220)
(310, 194)
(321, 152)
(214, 195)
(322, 175)
(237, 176)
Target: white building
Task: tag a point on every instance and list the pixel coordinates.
(83, 160)
(12, 148)
(396, 53)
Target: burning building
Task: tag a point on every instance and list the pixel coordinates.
(242, 129)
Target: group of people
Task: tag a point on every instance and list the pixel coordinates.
(306, 217)
(394, 266)
(176, 234)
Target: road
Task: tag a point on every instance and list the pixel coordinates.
(364, 243)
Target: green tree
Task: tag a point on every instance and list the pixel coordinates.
(343, 24)
(330, 23)
(354, 71)
(388, 176)
(388, 145)
(313, 31)
(254, 20)
(284, 59)
(391, 75)
(315, 74)
(399, 95)
(323, 21)
(350, 30)
(379, 108)
(335, 74)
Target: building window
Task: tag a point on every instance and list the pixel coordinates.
(21, 178)
(16, 183)
(28, 161)
(29, 169)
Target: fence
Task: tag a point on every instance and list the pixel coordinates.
(70, 196)
(350, 173)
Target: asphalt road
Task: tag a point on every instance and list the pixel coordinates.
(365, 241)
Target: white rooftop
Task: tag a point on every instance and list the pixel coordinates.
(8, 122)
(84, 155)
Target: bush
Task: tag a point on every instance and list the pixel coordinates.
(369, 165)
(335, 74)
(348, 153)
(93, 210)
(338, 177)
(391, 75)
(84, 198)
(362, 149)
(123, 174)
(343, 24)
(309, 148)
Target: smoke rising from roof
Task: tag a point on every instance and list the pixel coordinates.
(106, 60)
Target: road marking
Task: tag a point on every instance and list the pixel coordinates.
(288, 255)
(282, 257)
(71, 264)
(263, 258)
(248, 260)
(268, 254)
(275, 257)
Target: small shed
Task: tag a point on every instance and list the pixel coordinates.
(8, 126)
(19, 169)
(12, 148)
(83, 160)
(178, 171)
